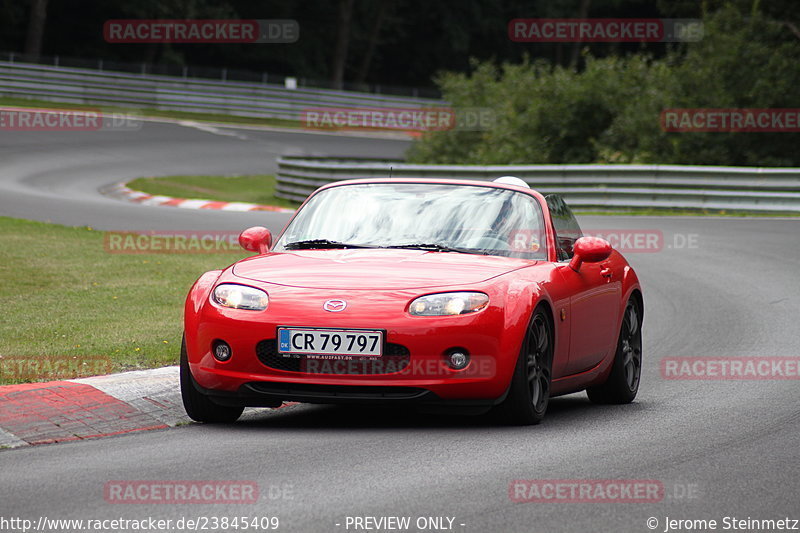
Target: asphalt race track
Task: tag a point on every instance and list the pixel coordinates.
(720, 448)
(55, 176)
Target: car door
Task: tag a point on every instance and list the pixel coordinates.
(594, 294)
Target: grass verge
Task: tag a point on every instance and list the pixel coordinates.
(257, 189)
(65, 296)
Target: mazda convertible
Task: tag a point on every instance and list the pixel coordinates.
(437, 294)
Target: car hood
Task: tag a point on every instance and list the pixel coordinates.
(374, 268)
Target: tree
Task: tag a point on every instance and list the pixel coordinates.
(363, 69)
(610, 111)
(36, 25)
(342, 43)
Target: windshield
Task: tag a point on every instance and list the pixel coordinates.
(436, 217)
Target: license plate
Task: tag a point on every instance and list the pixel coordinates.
(330, 342)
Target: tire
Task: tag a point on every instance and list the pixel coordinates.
(529, 392)
(198, 406)
(622, 384)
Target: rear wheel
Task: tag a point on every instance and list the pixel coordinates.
(198, 406)
(623, 382)
(529, 394)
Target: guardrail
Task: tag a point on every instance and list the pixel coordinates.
(104, 88)
(215, 74)
(774, 190)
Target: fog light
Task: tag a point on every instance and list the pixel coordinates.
(458, 360)
(222, 351)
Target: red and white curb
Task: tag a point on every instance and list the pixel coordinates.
(100, 406)
(123, 192)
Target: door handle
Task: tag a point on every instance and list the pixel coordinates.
(606, 273)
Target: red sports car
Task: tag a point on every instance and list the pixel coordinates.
(480, 295)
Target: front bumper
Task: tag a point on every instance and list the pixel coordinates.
(413, 369)
(272, 394)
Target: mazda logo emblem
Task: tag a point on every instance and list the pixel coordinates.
(334, 306)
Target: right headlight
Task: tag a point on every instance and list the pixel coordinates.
(240, 297)
(448, 304)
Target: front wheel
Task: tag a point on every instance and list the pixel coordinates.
(529, 394)
(198, 406)
(623, 382)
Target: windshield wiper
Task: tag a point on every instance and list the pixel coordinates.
(435, 247)
(318, 244)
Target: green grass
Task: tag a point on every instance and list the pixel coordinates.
(257, 189)
(63, 295)
(159, 113)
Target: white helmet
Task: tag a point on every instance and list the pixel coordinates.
(512, 180)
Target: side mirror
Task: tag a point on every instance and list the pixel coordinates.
(256, 239)
(589, 250)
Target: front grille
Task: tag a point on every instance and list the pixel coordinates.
(395, 358)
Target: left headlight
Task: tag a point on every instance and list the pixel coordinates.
(240, 297)
(448, 303)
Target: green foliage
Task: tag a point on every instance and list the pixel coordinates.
(609, 112)
(391, 42)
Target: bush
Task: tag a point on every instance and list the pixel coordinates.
(610, 111)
